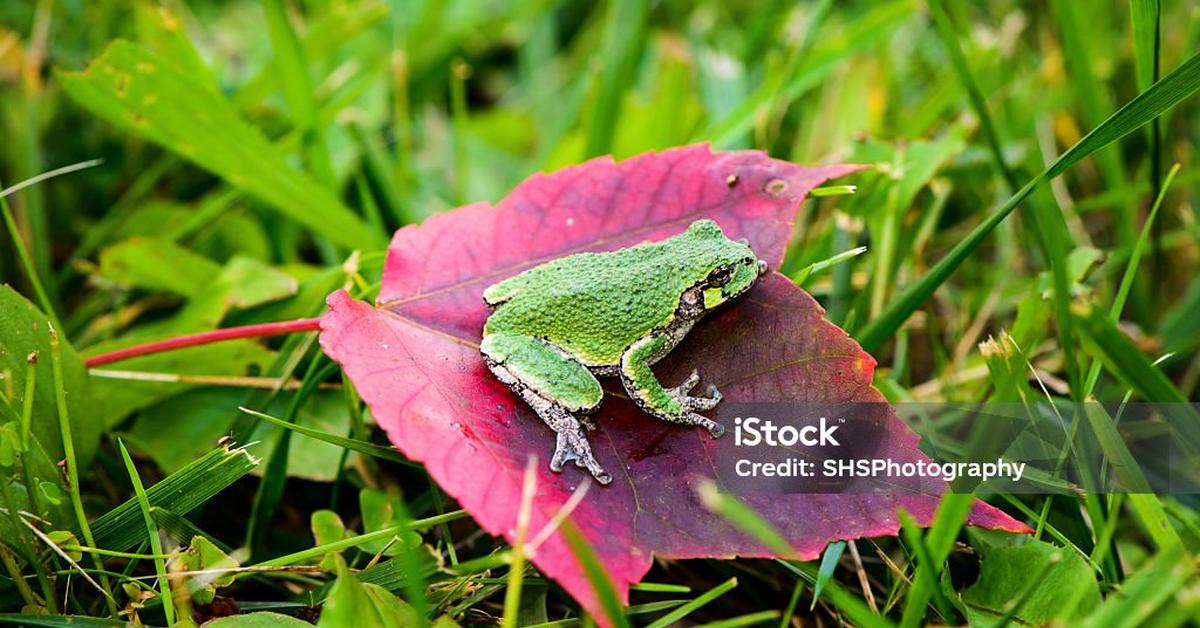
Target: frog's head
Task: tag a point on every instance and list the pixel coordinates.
(729, 267)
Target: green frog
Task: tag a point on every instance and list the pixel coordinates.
(558, 326)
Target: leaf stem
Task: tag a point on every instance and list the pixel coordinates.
(204, 338)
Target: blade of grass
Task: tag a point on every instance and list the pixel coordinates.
(1162, 96)
(793, 601)
(27, 265)
(27, 443)
(750, 619)
(829, 562)
(1123, 464)
(1156, 582)
(1123, 358)
(516, 568)
(594, 570)
(361, 446)
(946, 32)
(849, 603)
(50, 174)
(751, 523)
(179, 492)
(1146, 25)
(816, 267)
(14, 572)
(68, 442)
(355, 541)
(1135, 257)
(743, 517)
(160, 566)
(832, 190)
(132, 88)
(618, 57)
(297, 89)
(687, 609)
(58, 621)
(926, 577)
(274, 478)
(950, 517)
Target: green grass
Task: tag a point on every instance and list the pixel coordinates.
(290, 138)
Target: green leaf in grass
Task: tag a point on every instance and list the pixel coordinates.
(158, 266)
(1159, 98)
(1049, 582)
(352, 603)
(25, 336)
(327, 527)
(134, 89)
(381, 510)
(203, 555)
(262, 619)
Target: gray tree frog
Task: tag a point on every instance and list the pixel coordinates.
(559, 325)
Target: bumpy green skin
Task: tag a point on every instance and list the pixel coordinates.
(595, 305)
(558, 325)
(546, 371)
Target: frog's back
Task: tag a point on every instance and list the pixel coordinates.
(594, 305)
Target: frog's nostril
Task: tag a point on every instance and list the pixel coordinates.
(762, 267)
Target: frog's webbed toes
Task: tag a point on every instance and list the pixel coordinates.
(571, 445)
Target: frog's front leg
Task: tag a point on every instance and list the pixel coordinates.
(557, 386)
(668, 404)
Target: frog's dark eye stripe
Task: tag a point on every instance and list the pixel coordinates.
(720, 275)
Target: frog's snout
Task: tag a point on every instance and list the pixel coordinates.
(762, 268)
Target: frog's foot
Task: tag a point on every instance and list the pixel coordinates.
(694, 404)
(572, 445)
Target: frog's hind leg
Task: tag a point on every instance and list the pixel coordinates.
(668, 404)
(558, 387)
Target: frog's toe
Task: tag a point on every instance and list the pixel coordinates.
(685, 387)
(699, 420)
(694, 404)
(559, 457)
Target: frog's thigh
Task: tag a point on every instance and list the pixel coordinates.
(645, 389)
(545, 370)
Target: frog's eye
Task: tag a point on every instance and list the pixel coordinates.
(720, 276)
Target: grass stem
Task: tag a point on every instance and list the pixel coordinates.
(68, 443)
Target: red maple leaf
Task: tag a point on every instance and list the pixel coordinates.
(415, 360)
